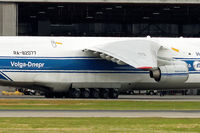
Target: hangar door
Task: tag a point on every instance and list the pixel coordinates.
(128, 20)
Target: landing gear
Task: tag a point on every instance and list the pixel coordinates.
(85, 93)
(95, 93)
(104, 93)
(114, 93)
(75, 93)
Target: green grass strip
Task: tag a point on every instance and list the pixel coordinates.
(99, 125)
(97, 105)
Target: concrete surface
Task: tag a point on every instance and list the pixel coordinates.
(100, 113)
(121, 97)
(8, 19)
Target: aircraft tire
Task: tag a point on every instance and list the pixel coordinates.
(85, 93)
(95, 93)
(75, 93)
(114, 93)
(104, 93)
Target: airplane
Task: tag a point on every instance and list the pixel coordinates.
(99, 67)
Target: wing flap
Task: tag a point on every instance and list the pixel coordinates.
(140, 54)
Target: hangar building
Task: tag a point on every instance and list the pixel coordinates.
(133, 18)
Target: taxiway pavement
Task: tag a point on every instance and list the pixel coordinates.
(107, 113)
(101, 113)
(121, 97)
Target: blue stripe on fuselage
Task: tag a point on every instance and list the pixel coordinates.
(71, 65)
(190, 62)
(3, 77)
(61, 64)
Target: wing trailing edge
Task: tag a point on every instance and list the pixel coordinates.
(139, 53)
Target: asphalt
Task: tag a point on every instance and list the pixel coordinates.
(121, 97)
(101, 113)
(108, 113)
(160, 98)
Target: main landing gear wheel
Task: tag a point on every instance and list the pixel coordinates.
(95, 93)
(114, 93)
(85, 93)
(75, 93)
(105, 93)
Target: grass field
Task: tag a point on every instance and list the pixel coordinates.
(99, 125)
(97, 105)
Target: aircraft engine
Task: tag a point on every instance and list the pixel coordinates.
(177, 71)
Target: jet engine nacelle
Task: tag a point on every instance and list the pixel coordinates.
(177, 71)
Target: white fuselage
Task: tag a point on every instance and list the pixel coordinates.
(61, 60)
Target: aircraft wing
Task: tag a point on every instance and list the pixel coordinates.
(141, 54)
